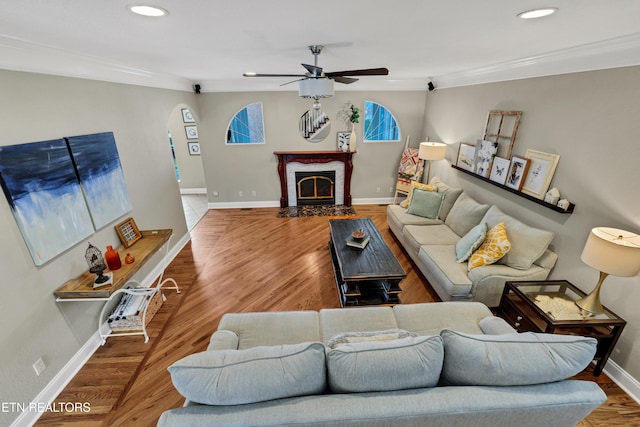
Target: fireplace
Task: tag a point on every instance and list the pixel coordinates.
(315, 188)
(315, 163)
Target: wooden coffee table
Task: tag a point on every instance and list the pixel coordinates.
(369, 276)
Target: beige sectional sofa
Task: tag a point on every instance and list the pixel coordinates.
(431, 244)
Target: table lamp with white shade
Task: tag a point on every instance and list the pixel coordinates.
(610, 251)
(431, 151)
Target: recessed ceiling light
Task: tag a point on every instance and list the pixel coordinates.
(147, 10)
(537, 13)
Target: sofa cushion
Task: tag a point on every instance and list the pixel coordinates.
(415, 184)
(425, 203)
(471, 241)
(417, 236)
(465, 214)
(450, 196)
(235, 377)
(513, 359)
(495, 246)
(528, 243)
(430, 319)
(397, 217)
(405, 363)
(440, 260)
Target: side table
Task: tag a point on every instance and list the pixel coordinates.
(549, 306)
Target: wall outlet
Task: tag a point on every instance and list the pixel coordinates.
(216, 194)
(253, 193)
(39, 366)
(390, 189)
(377, 189)
(240, 193)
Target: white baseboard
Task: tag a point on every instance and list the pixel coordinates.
(626, 382)
(71, 368)
(276, 204)
(193, 191)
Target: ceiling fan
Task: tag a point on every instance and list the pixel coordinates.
(318, 84)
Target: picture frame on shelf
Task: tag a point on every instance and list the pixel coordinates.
(194, 148)
(466, 157)
(542, 166)
(343, 140)
(191, 131)
(128, 232)
(484, 154)
(518, 169)
(499, 170)
(187, 117)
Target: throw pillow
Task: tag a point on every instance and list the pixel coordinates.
(369, 336)
(494, 247)
(385, 366)
(415, 184)
(425, 203)
(450, 196)
(470, 242)
(513, 359)
(465, 214)
(257, 374)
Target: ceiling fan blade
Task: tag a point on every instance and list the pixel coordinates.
(313, 69)
(345, 80)
(272, 75)
(366, 72)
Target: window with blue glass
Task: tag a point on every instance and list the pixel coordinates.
(379, 123)
(247, 126)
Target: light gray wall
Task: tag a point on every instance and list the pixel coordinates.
(591, 120)
(191, 170)
(232, 169)
(35, 108)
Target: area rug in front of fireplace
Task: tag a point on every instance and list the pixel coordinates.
(316, 210)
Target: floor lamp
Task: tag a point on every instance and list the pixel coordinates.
(431, 151)
(610, 251)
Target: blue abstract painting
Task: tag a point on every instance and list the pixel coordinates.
(101, 176)
(43, 191)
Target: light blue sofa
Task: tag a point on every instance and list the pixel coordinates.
(431, 244)
(437, 364)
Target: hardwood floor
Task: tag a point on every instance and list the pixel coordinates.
(240, 260)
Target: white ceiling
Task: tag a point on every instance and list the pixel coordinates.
(212, 42)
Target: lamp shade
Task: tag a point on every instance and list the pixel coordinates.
(315, 88)
(613, 251)
(432, 150)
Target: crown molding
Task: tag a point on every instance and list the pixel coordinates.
(613, 53)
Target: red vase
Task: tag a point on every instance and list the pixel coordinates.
(113, 258)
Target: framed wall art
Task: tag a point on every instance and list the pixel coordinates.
(499, 170)
(187, 117)
(517, 172)
(343, 141)
(541, 169)
(194, 148)
(128, 232)
(466, 156)
(485, 152)
(191, 131)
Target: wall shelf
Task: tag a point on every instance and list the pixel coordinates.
(519, 193)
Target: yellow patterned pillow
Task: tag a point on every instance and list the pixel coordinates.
(495, 246)
(415, 184)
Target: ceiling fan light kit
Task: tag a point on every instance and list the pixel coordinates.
(315, 88)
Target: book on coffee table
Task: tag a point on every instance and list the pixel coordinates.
(360, 243)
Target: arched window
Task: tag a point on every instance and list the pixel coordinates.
(379, 123)
(247, 126)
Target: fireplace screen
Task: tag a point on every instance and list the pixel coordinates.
(315, 188)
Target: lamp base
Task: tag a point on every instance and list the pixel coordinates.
(591, 302)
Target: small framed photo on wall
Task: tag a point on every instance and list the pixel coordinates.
(499, 170)
(517, 172)
(541, 169)
(128, 232)
(191, 131)
(466, 157)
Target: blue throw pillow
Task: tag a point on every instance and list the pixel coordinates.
(425, 203)
(471, 241)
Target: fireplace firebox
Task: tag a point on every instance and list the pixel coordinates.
(315, 188)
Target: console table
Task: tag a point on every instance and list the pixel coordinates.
(81, 287)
